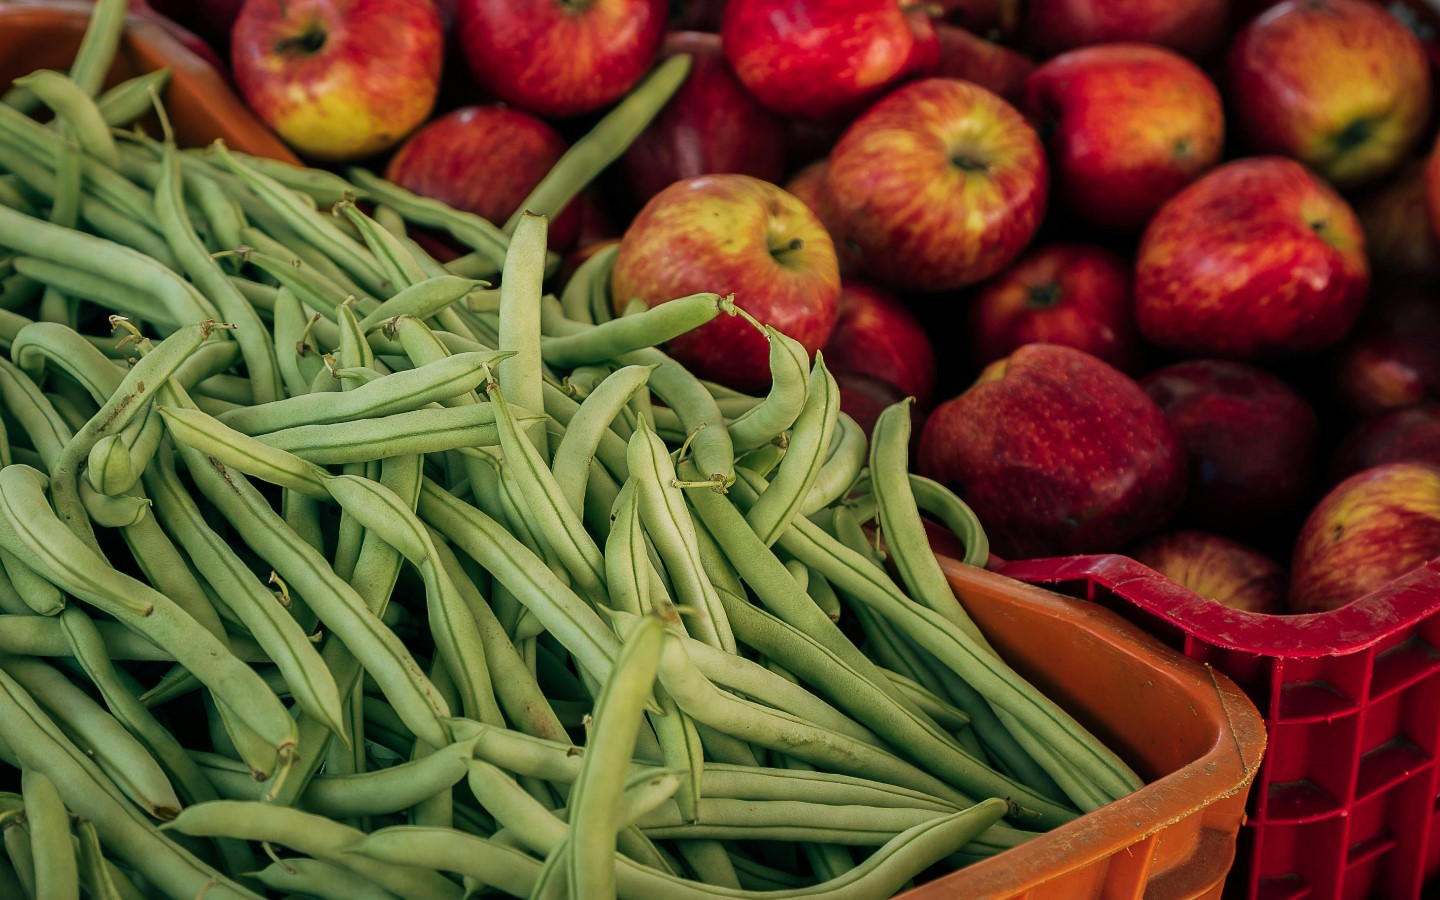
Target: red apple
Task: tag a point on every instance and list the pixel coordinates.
(339, 79)
(939, 185)
(972, 58)
(1127, 126)
(1071, 294)
(1393, 359)
(710, 126)
(1249, 438)
(484, 160)
(1257, 258)
(1432, 188)
(1000, 18)
(864, 397)
(203, 28)
(1372, 528)
(732, 234)
(1340, 85)
(808, 185)
(575, 258)
(560, 57)
(1397, 225)
(1226, 571)
(875, 334)
(1033, 448)
(817, 60)
(1410, 434)
(1193, 27)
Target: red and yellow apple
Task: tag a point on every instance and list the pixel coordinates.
(1076, 295)
(939, 185)
(1033, 448)
(1249, 438)
(1393, 358)
(711, 126)
(732, 234)
(1372, 528)
(560, 57)
(1341, 85)
(339, 79)
(877, 335)
(1258, 258)
(1193, 27)
(1127, 126)
(1216, 567)
(1409, 434)
(818, 60)
(484, 160)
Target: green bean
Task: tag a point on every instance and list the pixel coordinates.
(400, 392)
(119, 755)
(520, 290)
(325, 188)
(595, 800)
(662, 510)
(74, 105)
(422, 299)
(430, 430)
(319, 230)
(782, 501)
(132, 98)
(594, 152)
(842, 467)
(22, 854)
(592, 277)
(56, 874)
(250, 333)
(789, 389)
(314, 835)
(95, 289)
(400, 268)
(83, 790)
(117, 460)
(300, 875)
(94, 873)
(945, 714)
(941, 502)
(655, 326)
(42, 597)
(469, 229)
(97, 47)
(226, 220)
(728, 820)
(313, 287)
(589, 427)
(578, 627)
(13, 196)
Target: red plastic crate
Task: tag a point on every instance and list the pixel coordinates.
(1346, 800)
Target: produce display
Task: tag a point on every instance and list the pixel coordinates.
(301, 529)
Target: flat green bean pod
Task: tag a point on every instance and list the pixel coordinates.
(77, 109)
(429, 430)
(422, 299)
(132, 98)
(56, 874)
(656, 325)
(789, 390)
(783, 500)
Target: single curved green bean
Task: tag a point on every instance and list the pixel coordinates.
(593, 153)
(301, 875)
(42, 597)
(325, 188)
(312, 285)
(592, 277)
(521, 286)
(654, 326)
(400, 268)
(941, 502)
(20, 852)
(132, 98)
(117, 460)
(430, 430)
(843, 465)
(56, 874)
(97, 48)
(422, 299)
(313, 835)
(396, 393)
(588, 427)
(789, 389)
(76, 108)
(122, 827)
(468, 228)
(95, 874)
(782, 501)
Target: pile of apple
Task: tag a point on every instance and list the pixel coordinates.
(1173, 256)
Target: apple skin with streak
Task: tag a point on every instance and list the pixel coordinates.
(1372, 528)
(938, 186)
(1257, 259)
(732, 234)
(1393, 358)
(1035, 448)
(309, 69)
(1217, 567)
(877, 335)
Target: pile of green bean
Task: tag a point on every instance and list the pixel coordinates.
(326, 570)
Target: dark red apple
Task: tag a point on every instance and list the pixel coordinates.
(1372, 528)
(204, 27)
(939, 185)
(1397, 225)
(1393, 359)
(732, 234)
(484, 160)
(711, 125)
(698, 15)
(1127, 126)
(1258, 258)
(821, 60)
(1193, 27)
(339, 79)
(1226, 571)
(877, 335)
(972, 58)
(1341, 85)
(560, 57)
(864, 397)
(1071, 294)
(1432, 188)
(1249, 438)
(1058, 453)
(1411, 434)
(808, 184)
(999, 18)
